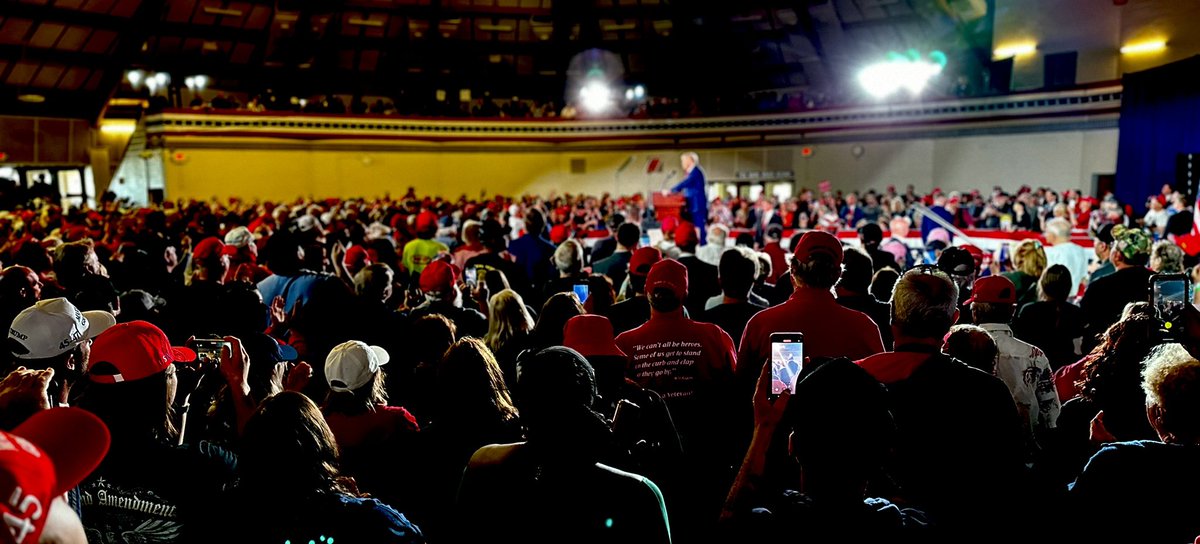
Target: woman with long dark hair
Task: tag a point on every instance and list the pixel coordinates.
(1052, 323)
(554, 316)
(290, 486)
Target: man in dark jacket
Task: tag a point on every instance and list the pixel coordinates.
(854, 292)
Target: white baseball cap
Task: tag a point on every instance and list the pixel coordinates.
(53, 327)
(352, 364)
(239, 237)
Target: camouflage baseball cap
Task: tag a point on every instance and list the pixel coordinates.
(1130, 242)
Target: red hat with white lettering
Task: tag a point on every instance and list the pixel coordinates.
(136, 349)
(43, 458)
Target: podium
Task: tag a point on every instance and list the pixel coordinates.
(668, 206)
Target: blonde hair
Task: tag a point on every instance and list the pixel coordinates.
(1171, 380)
(507, 317)
(1030, 258)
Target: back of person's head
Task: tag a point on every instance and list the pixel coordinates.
(841, 428)
(628, 235)
(1115, 363)
(883, 282)
(765, 268)
(246, 310)
(471, 388)
(1132, 245)
(140, 305)
(871, 235)
(1058, 229)
(72, 260)
(1056, 284)
(717, 234)
(491, 235)
(856, 271)
(817, 260)
(615, 221)
(374, 282)
(1171, 381)
(737, 270)
(470, 231)
(437, 333)
(1166, 258)
(535, 222)
(283, 253)
(972, 345)
(568, 258)
(554, 315)
(667, 285)
(1030, 258)
(507, 318)
(357, 382)
(287, 449)
(556, 391)
(924, 304)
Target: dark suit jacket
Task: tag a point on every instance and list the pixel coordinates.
(616, 267)
(702, 283)
(603, 249)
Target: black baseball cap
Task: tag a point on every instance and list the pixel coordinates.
(870, 232)
(956, 261)
(1104, 233)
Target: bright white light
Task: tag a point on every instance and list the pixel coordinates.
(162, 78)
(885, 78)
(596, 96)
(1144, 47)
(628, 94)
(303, 102)
(639, 91)
(135, 78)
(152, 84)
(201, 82)
(190, 83)
(1014, 50)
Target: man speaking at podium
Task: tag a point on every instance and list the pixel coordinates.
(695, 191)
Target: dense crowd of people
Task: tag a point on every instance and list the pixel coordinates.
(537, 369)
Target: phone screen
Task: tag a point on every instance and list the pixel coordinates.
(645, 240)
(582, 290)
(1169, 293)
(471, 276)
(787, 359)
(209, 350)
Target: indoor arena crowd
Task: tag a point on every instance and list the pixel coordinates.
(574, 368)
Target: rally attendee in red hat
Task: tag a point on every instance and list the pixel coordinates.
(632, 312)
(691, 365)
(418, 253)
(829, 329)
(439, 284)
(148, 482)
(703, 276)
(1022, 366)
(40, 461)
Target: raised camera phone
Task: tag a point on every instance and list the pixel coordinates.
(787, 360)
(208, 350)
(582, 290)
(1169, 295)
(471, 276)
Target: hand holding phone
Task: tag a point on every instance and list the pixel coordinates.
(471, 275)
(208, 350)
(1170, 294)
(582, 290)
(787, 360)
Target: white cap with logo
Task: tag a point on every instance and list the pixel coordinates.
(352, 364)
(53, 327)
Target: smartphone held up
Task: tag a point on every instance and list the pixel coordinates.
(787, 360)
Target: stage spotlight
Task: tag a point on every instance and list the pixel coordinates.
(898, 72)
(596, 97)
(628, 94)
(190, 83)
(162, 78)
(135, 78)
(639, 92)
(201, 82)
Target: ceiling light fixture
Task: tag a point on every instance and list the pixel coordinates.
(358, 21)
(31, 98)
(222, 12)
(486, 27)
(1014, 50)
(1144, 47)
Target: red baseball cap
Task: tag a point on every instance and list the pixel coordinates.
(591, 335)
(559, 234)
(356, 258)
(43, 458)
(685, 234)
(669, 224)
(438, 277)
(668, 273)
(814, 242)
(208, 249)
(643, 259)
(426, 221)
(138, 349)
(994, 290)
(975, 252)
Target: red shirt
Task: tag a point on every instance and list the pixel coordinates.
(779, 264)
(830, 330)
(677, 357)
(370, 427)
